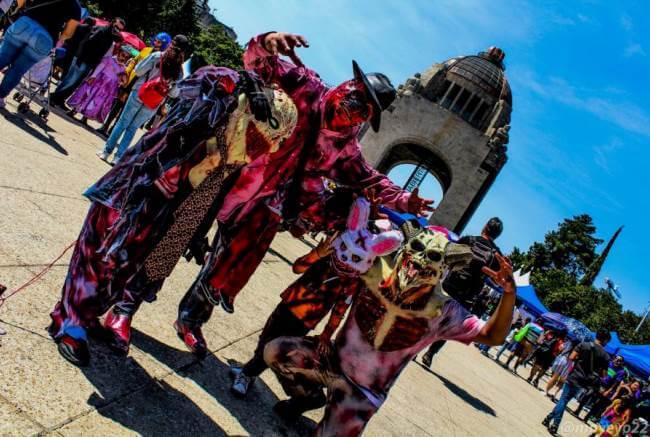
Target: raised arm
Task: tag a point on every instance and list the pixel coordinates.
(357, 172)
(262, 55)
(496, 329)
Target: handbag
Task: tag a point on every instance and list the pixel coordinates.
(154, 91)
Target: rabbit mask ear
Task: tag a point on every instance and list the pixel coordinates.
(359, 214)
(386, 242)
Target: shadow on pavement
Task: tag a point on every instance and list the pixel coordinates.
(467, 397)
(128, 395)
(254, 414)
(20, 122)
(462, 393)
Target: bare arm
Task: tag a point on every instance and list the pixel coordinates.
(496, 329)
(323, 249)
(69, 29)
(338, 313)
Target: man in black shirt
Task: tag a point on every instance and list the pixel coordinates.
(32, 37)
(72, 45)
(465, 285)
(90, 53)
(590, 363)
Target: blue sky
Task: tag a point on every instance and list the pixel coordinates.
(580, 75)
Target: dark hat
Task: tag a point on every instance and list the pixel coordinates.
(182, 42)
(381, 92)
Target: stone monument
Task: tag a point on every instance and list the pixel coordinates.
(452, 120)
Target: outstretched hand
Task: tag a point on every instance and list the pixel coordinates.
(417, 205)
(503, 277)
(375, 203)
(285, 44)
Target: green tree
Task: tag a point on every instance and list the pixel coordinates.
(217, 48)
(558, 266)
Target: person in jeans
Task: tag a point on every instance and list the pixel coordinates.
(590, 365)
(32, 37)
(160, 43)
(465, 284)
(90, 53)
(510, 342)
(167, 64)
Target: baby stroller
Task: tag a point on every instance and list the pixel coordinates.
(35, 87)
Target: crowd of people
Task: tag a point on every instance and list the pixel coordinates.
(267, 149)
(102, 77)
(615, 400)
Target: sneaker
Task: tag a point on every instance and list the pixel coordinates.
(426, 360)
(547, 421)
(112, 161)
(241, 385)
(102, 155)
(235, 370)
(553, 429)
(118, 327)
(193, 339)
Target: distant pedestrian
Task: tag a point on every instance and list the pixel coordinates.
(590, 366)
(510, 342)
(89, 55)
(464, 285)
(157, 75)
(560, 369)
(160, 43)
(32, 37)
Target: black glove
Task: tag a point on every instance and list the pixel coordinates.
(259, 103)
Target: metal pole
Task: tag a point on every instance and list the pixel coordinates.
(645, 316)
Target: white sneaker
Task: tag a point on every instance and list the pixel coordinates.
(112, 161)
(241, 384)
(102, 155)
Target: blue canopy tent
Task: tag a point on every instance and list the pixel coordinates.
(529, 299)
(636, 356)
(614, 344)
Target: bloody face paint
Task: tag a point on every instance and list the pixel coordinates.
(347, 105)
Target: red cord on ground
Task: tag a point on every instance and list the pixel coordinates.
(38, 276)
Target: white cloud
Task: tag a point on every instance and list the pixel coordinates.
(603, 154)
(612, 109)
(634, 49)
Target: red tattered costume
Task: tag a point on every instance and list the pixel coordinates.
(291, 187)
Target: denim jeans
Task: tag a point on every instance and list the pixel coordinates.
(134, 115)
(568, 392)
(76, 74)
(25, 43)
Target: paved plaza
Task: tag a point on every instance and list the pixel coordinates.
(160, 389)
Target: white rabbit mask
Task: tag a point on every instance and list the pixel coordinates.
(357, 247)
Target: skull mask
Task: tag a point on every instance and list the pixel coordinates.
(420, 262)
(357, 247)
